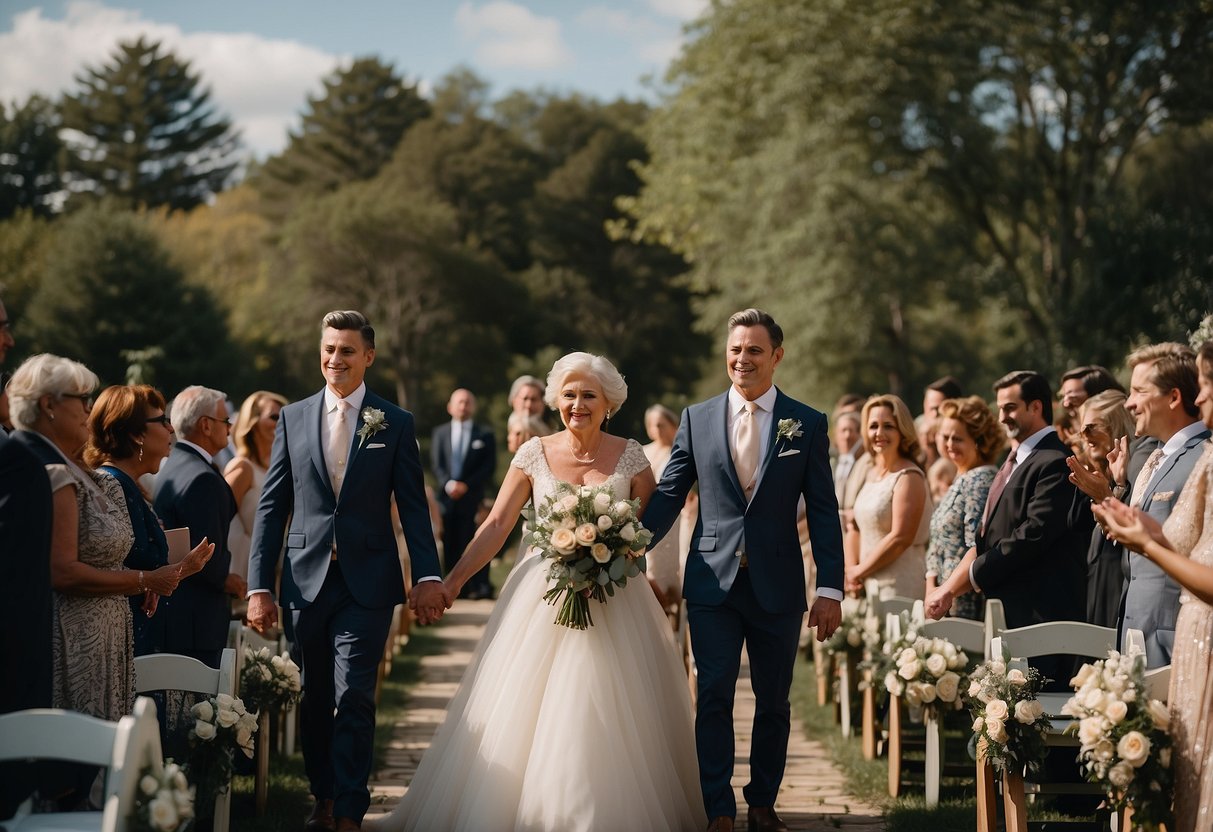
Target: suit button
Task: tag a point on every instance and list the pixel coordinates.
(336, 512)
(738, 553)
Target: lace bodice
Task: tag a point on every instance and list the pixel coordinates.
(532, 462)
(1190, 526)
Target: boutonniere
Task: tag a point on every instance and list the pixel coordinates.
(789, 429)
(373, 421)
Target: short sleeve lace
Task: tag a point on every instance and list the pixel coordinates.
(632, 461)
(529, 457)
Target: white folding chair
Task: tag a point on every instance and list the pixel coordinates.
(169, 671)
(123, 747)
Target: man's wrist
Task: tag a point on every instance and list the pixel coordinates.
(253, 592)
(427, 579)
(829, 592)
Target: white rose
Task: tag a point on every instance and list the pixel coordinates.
(974, 688)
(243, 736)
(162, 812)
(1016, 677)
(224, 700)
(936, 664)
(148, 785)
(996, 709)
(568, 523)
(1083, 676)
(568, 502)
(1090, 731)
(1028, 711)
(985, 696)
(1121, 775)
(602, 501)
(1116, 711)
(264, 672)
(564, 541)
(854, 638)
(586, 533)
(276, 661)
(604, 523)
(892, 684)
(949, 650)
(1134, 748)
(978, 724)
(203, 711)
(624, 509)
(948, 687)
(998, 668)
(600, 553)
(1093, 699)
(906, 656)
(927, 693)
(228, 718)
(909, 671)
(204, 730)
(1159, 713)
(628, 532)
(996, 729)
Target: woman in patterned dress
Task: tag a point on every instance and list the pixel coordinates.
(1183, 548)
(972, 440)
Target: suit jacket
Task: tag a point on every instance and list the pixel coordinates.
(1031, 553)
(1151, 597)
(189, 492)
(298, 489)
(478, 464)
(764, 528)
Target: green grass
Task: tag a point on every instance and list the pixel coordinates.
(288, 798)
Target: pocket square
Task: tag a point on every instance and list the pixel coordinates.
(477, 444)
(789, 452)
(376, 445)
(1163, 496)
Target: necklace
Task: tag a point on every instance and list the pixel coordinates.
(573, 453)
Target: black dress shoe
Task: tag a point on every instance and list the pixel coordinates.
(321, 818)
(764, 819)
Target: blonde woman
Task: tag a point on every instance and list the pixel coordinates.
(253, 435)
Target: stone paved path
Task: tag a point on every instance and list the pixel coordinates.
(813, 797)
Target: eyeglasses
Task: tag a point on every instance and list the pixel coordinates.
(226, 422)
(162, 419)
(1090, 430)
(274, 416)
(86, 399)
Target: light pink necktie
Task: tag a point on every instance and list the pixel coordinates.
(745, 447)
(339, 445)
(1143, 479)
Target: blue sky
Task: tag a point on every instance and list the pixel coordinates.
(261, 57)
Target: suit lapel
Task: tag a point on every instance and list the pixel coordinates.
(782, 410)
(313, 413)
(721, 417)
(1165, 469)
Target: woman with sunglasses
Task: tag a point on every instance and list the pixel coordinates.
(253, 435)
(129, 435)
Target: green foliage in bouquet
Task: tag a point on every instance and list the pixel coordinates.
(221, 726)
(1007, 714)
(269, 682)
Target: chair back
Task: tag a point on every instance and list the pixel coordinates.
(1075, 638)
(995, 621)
(169, 671)
(968, 635)
(1158, 680)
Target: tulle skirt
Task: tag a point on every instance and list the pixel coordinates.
(559, 729)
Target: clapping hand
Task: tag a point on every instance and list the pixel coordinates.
(1118, 460)
(1089, 482)
(1130, 526)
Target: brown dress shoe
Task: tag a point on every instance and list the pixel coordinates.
(764, 819)
(348, 825)
(721, 824)
(321, 819)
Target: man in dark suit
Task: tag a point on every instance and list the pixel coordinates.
(1031, 546)
(191, 492)
(463, 455)
(755, 453)
(339, 457)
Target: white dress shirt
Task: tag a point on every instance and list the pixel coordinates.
(205, 454)
(461, 435)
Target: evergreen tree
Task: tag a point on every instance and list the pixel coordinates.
(144, 132)
(347, 135)
(29, 157)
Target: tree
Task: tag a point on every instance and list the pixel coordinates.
(109, 288)
(141, 130)
(30, 152)
(347, 135)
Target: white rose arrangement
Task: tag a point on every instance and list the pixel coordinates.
(857, 634)
(1007, 715)
(928, 673)
(269, 682)
(221, 725)
(164, 800)
(594, 544)
(1126, 744)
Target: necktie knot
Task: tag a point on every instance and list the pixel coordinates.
(750, 407)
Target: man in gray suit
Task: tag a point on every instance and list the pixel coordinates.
(1162, 399)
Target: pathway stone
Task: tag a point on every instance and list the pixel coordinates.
(813, 797)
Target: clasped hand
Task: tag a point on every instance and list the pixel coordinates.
(938, 603)
(429, 600)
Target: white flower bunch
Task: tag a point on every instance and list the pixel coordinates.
(221, 725)
(927, 672)
(1007, 715)
(1126, 747)
(858, 632)
(269, 682)
(594, 543)
(164, 799)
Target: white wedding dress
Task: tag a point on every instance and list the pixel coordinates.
(560, 729)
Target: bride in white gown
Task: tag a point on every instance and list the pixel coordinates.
(554, 728)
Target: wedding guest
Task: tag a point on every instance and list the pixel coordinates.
(972, 440)
(666, 559)
(253, 436)
(940, 477)
(848, 443)
(893, 511)
(1183, 548)
(927, 425)
(1081, 383)
(520, 427)
(526, 396)
(1105, 421)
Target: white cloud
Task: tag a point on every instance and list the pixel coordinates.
(617, 21)
(260, 83)
(680, 9)
(510, 36)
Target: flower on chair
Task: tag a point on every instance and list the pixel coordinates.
(373, 421)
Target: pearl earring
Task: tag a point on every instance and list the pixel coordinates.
(140, 451)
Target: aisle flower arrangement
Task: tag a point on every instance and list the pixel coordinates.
(1007, 715)
(221, 726)
(269, 682)
(164, 800)
(927, 673)
(857, 632)
(1126, 747)
(593, 542)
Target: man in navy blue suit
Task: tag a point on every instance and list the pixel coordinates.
(339, 457)
(754, 452)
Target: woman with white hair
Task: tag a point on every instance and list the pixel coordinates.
(557, 728)
(92, 640)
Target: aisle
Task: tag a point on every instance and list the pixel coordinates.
(813, 797)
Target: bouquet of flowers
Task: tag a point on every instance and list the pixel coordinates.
(164, 800)
(594, 543)
(1125, 745)
(1007, 714)
(269, 682)
(221, 725)
(857, 631)
(928, 672)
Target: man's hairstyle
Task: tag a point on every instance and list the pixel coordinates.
(849, 401)
(524, 381)
(191, 405)
(1032, 388)
(1095, 379)
(756, 317)
(1172, 367)
(350, 319)
(948, 385)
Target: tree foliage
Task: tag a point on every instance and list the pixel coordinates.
(143, 132)
(30, 151)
